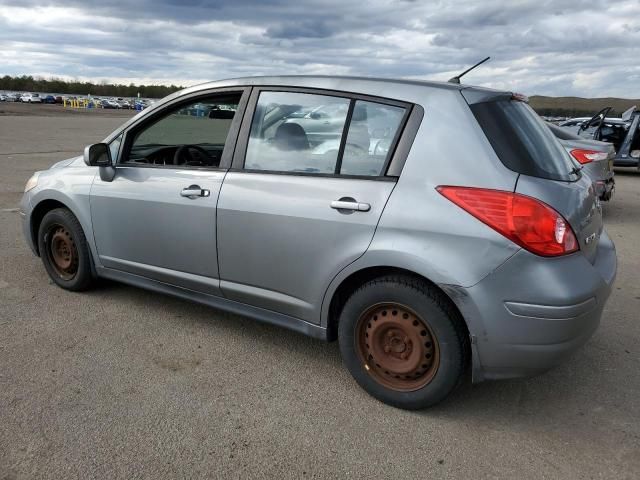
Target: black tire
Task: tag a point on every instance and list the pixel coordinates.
(434, 310)
(57, 224)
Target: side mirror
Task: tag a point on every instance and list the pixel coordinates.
(97, 155)
(315, 116)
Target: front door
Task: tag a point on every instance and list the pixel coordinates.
(157, 217)
(301, 207)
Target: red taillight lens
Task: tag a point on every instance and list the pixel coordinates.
(530, 223)
(588, 156)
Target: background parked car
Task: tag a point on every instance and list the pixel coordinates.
(623, 133)
(49, 99)
(573, 123)
(31, 98)
(594, 159)
(109, 104)
(3, 97)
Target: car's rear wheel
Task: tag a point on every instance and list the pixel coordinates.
(403, 341)
(64, 250)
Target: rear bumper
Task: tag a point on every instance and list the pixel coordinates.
(602, 177)
(532, 312)
(605, 188)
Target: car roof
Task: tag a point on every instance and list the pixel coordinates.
(409, 90)
(406, 90)
(312, 81)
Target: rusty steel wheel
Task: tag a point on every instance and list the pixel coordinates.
(62, 252)
(397, 347)
(65, 253)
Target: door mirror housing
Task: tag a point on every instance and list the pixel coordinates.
(97, 155)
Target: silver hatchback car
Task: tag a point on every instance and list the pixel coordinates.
(429, 227)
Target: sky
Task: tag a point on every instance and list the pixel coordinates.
(586, 48)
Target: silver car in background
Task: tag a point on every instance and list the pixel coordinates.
(593, 157)
(429, 227)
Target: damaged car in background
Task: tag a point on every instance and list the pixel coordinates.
(593, 158)
(623, 133)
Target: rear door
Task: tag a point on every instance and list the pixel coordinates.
(297, 207)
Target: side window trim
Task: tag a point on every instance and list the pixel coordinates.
(119, 138)
(237, 165)
(230, 143)
(345, 134)
(407, 135)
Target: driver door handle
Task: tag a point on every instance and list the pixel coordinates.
(194, 191)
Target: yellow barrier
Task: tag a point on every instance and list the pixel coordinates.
(75, 103)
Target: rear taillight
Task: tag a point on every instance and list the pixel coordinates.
(528, 222)
(588, 156)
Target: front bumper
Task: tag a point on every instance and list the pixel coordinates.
(532, 312)
(25, 215)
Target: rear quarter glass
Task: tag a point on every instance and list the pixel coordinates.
(522, 141)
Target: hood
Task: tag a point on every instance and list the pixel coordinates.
(69, 161)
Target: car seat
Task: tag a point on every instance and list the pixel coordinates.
(291, 136)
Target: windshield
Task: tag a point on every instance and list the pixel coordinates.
(522, 141)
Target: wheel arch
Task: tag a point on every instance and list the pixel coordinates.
(38, 213)
(44, 205)
(343, 287)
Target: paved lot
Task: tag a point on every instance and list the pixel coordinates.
(119, 383)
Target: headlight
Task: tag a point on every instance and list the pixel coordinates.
(32, 182)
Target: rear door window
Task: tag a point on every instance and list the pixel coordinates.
(322, 134)
(522, 141)
(371, 135)
(296, 132)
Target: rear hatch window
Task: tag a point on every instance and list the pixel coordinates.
(522, 141)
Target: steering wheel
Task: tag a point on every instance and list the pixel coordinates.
(184, 150)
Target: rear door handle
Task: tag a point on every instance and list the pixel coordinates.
(350, 205)
(194, 191)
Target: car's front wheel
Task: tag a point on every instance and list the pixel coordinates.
(402, 341)
(64, 250)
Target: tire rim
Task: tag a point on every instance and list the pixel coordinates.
(397, 347)
(62, 252)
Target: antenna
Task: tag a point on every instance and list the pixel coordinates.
(456, 79)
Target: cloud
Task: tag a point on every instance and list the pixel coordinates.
(574, 47)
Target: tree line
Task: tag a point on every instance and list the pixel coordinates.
(27, 83)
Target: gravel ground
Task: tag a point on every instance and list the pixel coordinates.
(120, 383)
